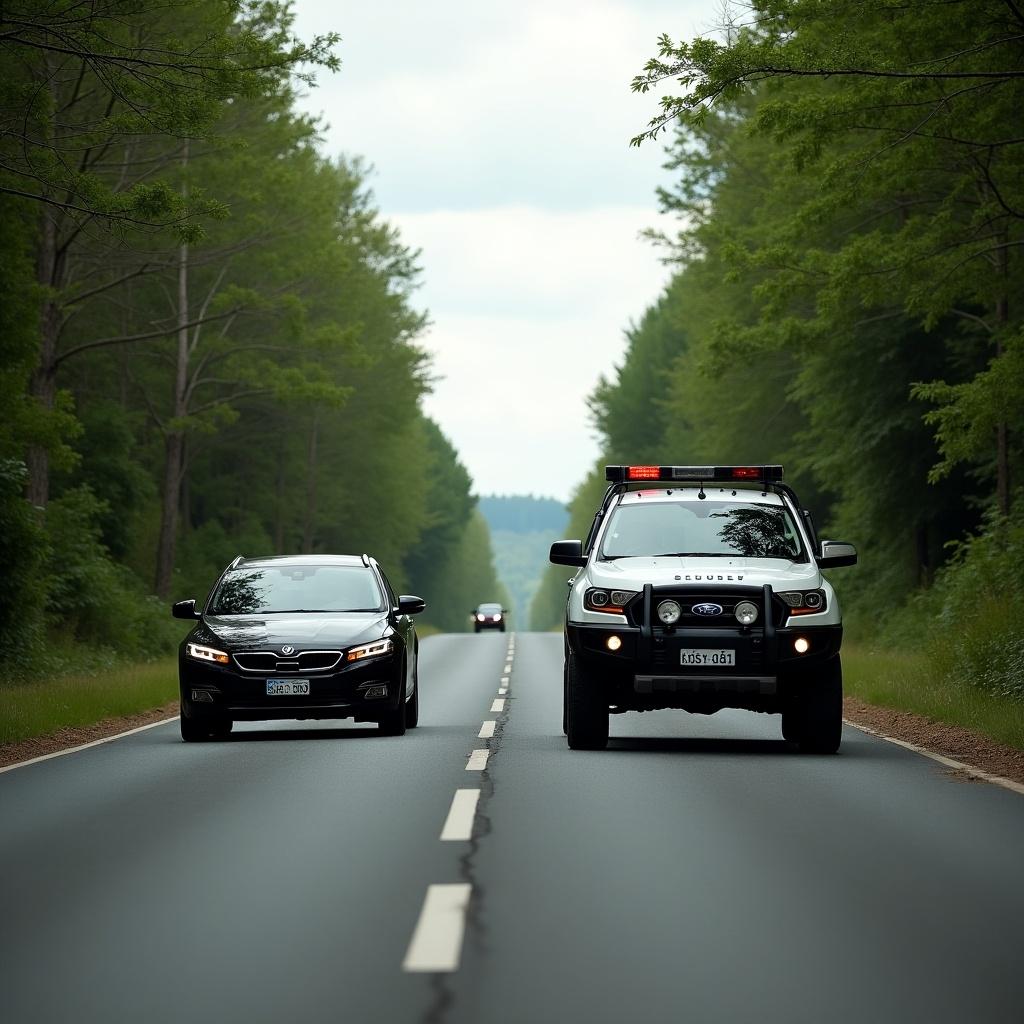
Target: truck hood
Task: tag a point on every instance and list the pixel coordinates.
(633, 573)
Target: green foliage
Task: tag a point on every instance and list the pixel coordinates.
(22, 554)
(547, 609)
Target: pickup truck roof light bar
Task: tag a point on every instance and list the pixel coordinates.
(675, 474)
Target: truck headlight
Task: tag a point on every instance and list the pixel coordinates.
(803, 602)
(613, 602)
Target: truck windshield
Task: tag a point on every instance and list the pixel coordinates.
(717, 529)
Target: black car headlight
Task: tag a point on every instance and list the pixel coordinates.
(374, 650)
(613, 602)
(209, 654)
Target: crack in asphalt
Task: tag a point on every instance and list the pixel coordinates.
(476, 928)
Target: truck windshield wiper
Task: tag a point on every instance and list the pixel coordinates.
(694, 554)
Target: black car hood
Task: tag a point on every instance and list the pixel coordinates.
(304, 632)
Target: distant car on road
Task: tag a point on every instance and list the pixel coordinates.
(307, 636)
(488, 616)
(701, 588)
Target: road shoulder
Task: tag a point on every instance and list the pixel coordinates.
(950, 741)
(65, 739)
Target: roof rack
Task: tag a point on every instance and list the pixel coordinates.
(366, 560)
(238, 558)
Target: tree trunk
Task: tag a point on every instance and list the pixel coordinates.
(309, 533)
(1002, 430)
(44, 378)
(174, 439)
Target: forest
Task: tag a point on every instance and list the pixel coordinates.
(847, 194)
(208, 334)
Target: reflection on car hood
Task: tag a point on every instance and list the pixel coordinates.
(308, 631)
(633, 573)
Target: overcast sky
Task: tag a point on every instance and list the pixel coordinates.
(499, 136)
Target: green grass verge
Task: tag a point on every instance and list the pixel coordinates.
(910, 681)
(31, 709)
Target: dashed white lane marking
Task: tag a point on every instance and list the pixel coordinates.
(497, 705)
(974, 773)
(459, 823)
(86, 746)
(502, 690)
(487, 730)
(508, 668)
(477, 761)
(436, 943)
(504, 680)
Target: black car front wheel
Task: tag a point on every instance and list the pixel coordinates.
(393, 721)
(197, 728)
(412, 705)
(586, 709)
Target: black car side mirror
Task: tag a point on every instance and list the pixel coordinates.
(410, 605)
(836, 553)
(185, 610)
(568, 552)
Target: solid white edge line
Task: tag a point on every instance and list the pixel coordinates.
(86, 746)
(436, 943)
(974, 773)
(497, 705)
(477, 760)
(459, 823)
(487, 730)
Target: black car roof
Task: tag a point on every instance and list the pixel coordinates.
(359, 560)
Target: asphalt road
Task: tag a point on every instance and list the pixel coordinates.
(698, 870)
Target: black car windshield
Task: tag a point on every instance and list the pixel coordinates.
(264, 590)
(709, 528)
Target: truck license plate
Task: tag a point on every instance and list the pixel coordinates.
(287, 687)
(705, 656)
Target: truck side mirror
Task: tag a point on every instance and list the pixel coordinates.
(568, 552)
(836, 553)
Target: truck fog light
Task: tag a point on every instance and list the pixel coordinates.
(613, 643)
(669, 612)
(746, 613)
(801, 645)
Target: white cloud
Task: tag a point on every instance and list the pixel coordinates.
(529, 309)
(499, 134)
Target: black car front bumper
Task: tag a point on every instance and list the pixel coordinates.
(646, 671)
(350, 692)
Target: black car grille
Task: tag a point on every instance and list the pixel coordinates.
(304, 661)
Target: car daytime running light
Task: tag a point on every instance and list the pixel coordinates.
(373, 650)
(211, 654)
(746, 613)
(669, 612)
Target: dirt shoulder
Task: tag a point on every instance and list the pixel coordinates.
(63, 739)
(971, 748)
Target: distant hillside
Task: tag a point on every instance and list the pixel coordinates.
(523, 513)
(522, 529)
